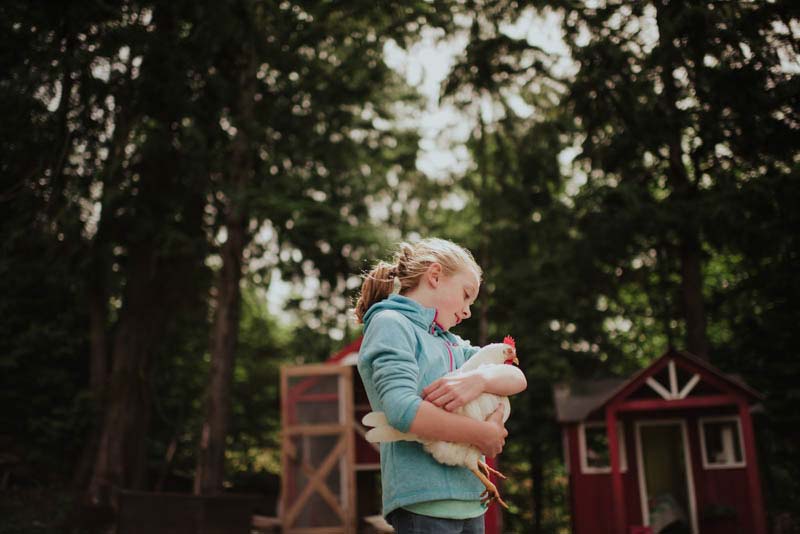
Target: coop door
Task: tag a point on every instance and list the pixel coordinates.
(318, 449)
(665, 477)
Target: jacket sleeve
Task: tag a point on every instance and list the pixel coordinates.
(389, 349)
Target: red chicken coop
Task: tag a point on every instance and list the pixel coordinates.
(330, 474)
(681, 458)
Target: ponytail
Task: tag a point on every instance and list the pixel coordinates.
(378, 284)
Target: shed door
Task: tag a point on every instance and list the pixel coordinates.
(665, 480)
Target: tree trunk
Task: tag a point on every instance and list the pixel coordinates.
(120, 455)
(210, 470)
(537, 479)
(162, 259)
(537, 473)
(97, 292)
(692, 290)
(159, 286)
(211, 461)
(663, 287)
(685, 191)
(98, 373)
(483, 319)
(483, 169)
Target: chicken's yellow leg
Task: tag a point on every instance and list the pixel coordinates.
(491, 492)
(486, 470)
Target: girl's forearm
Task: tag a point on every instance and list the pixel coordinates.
(503, 380)
(432, 422)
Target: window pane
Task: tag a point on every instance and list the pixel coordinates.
(722, 442)
(597, 447)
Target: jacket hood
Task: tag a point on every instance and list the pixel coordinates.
(418, 314)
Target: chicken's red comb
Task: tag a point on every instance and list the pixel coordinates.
(508, 340)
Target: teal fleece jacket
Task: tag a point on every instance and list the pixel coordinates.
(404, 349)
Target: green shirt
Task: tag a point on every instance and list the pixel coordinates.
(448, 508)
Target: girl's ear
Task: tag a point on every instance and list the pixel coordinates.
(434, 274)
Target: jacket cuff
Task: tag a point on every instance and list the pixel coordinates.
(407, 416)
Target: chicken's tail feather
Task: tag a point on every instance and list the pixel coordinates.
(374, 419)
(383, 432)
(387, 434)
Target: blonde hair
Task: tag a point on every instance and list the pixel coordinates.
(410, 262)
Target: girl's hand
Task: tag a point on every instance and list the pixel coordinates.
(453, 392)
(494, 439)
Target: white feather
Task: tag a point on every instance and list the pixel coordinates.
(374, 419)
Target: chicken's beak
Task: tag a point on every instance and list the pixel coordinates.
(511, 358)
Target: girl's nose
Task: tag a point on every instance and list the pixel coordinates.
(467, 313)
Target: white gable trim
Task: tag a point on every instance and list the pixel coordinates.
(689, 386)
(658, 388)
(673, 392)
(673, 380)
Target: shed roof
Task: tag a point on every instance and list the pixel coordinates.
(577, 400)
(347, 355)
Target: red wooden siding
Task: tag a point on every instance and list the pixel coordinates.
(591, 493)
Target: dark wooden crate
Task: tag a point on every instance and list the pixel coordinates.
(176, 513)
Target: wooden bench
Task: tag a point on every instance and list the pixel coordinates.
(142, 512)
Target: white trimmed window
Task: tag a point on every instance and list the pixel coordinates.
(721, 442)
(593, 444)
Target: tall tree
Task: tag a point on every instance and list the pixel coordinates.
(512, 195)
(177, 141)
(113, 194)
(653, 99)
(304, 99)
(663, 140)
(238, 66)
(164, 250)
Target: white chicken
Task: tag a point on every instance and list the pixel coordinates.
(479, 408)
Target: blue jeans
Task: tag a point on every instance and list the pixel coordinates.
(405, 522)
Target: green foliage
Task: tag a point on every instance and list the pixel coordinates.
(43, 342)
(264, 345)
(119, 149)
(119, 126)
(674, 108)
(709, 96)
(39, 510)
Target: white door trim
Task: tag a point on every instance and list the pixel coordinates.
(687, 460)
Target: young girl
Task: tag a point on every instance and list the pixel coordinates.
(408, 308)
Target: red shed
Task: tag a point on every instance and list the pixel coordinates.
(330, 473)
(682, 457)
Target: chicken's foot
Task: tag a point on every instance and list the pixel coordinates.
(491, 492)
(486, 470)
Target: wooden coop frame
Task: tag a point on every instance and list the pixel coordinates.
(300, 488)
(320, 456)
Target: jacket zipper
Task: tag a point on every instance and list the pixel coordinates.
(447, 344)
